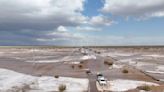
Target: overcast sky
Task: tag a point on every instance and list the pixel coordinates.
(81, 22)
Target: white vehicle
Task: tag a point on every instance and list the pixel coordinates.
(84, 51)
(101, 80)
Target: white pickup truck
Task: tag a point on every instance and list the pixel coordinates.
(101, 80)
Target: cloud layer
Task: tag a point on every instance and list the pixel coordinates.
(40, 14)
(24, 22)
(101, 20)
(135, 8)
(62, 22)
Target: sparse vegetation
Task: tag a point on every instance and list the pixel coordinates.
(81, 62)
(56, 76)
(39, 75)
(106, 62)
(88, 72)
(84, 53)
(72, 66)
(125, 71)
(98, 52)
(62, 88)
(80, 66)
(145, 88)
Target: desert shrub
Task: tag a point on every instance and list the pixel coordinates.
(84, 53)
(62, 88)
(80, 66)
(125, 71)
(145, 88)
(39, 75)
(81, 62)
(56, 76)
(88, 72)
(73, 66)
(98, 52)
(108, 62)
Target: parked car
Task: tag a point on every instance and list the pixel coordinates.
(101, 79)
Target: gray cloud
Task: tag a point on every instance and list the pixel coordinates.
(23, 22)
(40, 14)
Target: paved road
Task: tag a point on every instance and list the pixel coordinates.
(95, 66)
(92, 83)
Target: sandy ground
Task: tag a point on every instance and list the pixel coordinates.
(143, 64)
(26, 83)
